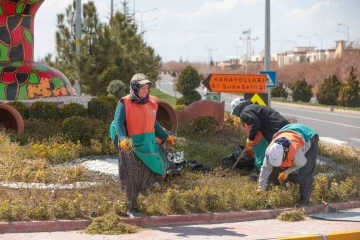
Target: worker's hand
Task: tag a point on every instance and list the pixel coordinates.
(249, 143)
(171, 140)
(249, 152)
(126, 144)
(282, 176)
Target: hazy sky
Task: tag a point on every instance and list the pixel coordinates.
(185, 28)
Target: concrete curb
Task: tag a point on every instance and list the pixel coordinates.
(348, 235)
(171, 220)
(318, 108)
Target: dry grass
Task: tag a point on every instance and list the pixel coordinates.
(188, 193)
(292, 216)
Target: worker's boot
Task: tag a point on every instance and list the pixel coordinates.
(303, 202)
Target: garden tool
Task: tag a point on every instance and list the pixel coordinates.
(237, 160)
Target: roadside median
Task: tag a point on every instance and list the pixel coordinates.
(169, 220)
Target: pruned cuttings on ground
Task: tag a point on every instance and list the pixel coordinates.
(292, 216)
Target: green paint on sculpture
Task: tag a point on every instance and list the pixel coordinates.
(28, 36)
(41, 68)
(31, 79)
(23, 93)
(34, 79)
(19, 8)
(16, 64)
(2, 91)
(4, 52)
(57, 82)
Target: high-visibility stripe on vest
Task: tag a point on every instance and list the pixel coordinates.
(296, 142)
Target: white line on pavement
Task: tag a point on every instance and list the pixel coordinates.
(307, 110)
(332, 141)
(314, 119)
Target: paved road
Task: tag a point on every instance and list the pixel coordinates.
(336, 128)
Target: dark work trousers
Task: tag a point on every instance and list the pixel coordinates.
(305, 176)
(120, 162)
(135, 176)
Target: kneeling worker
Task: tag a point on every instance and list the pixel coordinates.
(293, 149)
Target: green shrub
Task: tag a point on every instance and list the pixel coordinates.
(189, 98)
(192, 96)
(301, 91)
(329, 91)
(83, 129)
(116, 89)
(44, 111)
(73, 109)
(181, 101)
(180, 106)
(100, 109)
(279, 91)
(40, 129)
(21, 108)
(205, 124)
(349, 92)
(189, 80)
(113, 101)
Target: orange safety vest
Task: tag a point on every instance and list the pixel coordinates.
(296, 142)
(140, 126)
(140, 118)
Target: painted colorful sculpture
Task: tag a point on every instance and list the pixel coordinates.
(20, 77)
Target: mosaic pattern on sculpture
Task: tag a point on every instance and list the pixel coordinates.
(20, 77)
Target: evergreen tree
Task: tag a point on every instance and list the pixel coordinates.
(301, 91)
(349, 92)
(108, 52)
(188, 81)
(329, 91)
(279, 91)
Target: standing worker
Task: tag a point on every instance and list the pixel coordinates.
(293, 150)
(134, 131)
(260, 123)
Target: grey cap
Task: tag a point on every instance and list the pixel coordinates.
(141, 78)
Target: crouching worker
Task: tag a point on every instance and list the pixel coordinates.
(293, 150)
(260, 123)
(134, 132)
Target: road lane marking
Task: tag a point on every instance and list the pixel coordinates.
(314, 119)
(321, 112)
(333, 141)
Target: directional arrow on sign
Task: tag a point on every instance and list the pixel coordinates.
(246, 83)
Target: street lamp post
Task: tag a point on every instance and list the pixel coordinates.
(306, 38)
(294, 43)
(348, 32)
(321, 37)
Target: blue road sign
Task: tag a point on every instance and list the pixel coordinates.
(271, 79)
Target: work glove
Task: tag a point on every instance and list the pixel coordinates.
(126, 144)
(171, 140)
(249, 152)
(249, 143)
(282, 176)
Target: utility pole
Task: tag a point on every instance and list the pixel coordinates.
(78, 42)
(111, 8)
(210, 50)
(248, 40)
(267, 59)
